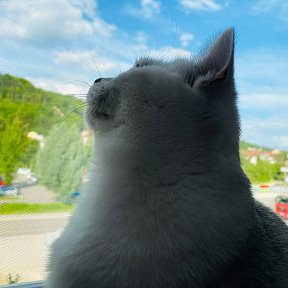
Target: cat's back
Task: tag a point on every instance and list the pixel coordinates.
(263, 261)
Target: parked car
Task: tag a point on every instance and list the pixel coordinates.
(281, 206)
(8, 191)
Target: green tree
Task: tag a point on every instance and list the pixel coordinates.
(13, 143)
(62, 161)
(24, 108)
(263, 171)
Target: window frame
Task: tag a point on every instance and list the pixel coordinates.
(34, 284)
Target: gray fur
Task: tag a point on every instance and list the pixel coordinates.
(168, 204)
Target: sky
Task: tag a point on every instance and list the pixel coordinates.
(52, 43)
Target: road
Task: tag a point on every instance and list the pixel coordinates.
(16, 225)
(267, 198)
(25, 243)
(32, 192)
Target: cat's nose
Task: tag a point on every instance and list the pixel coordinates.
(102, 80)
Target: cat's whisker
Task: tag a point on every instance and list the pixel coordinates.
(83, 105)
(134, 54)
(75, 94)
(77, 106)
(68, 82)
(70, 110)
(92, 55)
(171, 43)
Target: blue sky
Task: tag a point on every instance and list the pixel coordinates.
(54, 42)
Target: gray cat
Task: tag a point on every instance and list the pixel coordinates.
(168, 204)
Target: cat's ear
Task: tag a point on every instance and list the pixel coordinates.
(218, 62)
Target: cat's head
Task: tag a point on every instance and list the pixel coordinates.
(182, 104)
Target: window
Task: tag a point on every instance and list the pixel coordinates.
(50, 54)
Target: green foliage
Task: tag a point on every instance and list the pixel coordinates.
(61, 163)
(11, 198)
(24, 108)
(13, 143)
(245, 145)
(282, 157)
(26, 208)
(12, 280)
(261, 172)
(28, 157)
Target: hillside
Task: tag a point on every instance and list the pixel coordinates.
(245, 145)
(24, 108)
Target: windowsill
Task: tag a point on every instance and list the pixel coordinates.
(36, 284)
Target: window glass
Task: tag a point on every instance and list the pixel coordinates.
(51, 52)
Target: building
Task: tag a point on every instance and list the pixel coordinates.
(254, 154)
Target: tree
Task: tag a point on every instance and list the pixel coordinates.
(24, 108)
(62, 161)
(13, 143)
(263, 171)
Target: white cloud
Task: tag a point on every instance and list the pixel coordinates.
(278, 7)
(150, 8)
(101, 28)
(166, 52)
(66, 88)
(84, 60)
(204, 5)
(141, 49)
(264, 101)
(273, 123)
(141, 41)
(186, 38)
(261, 78)
(88, 7)
(270, 131)
(282, 140)
(262, 70)
(51, 22)
(141, 37)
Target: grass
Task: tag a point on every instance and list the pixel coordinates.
(12, 198)
(25, 208)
